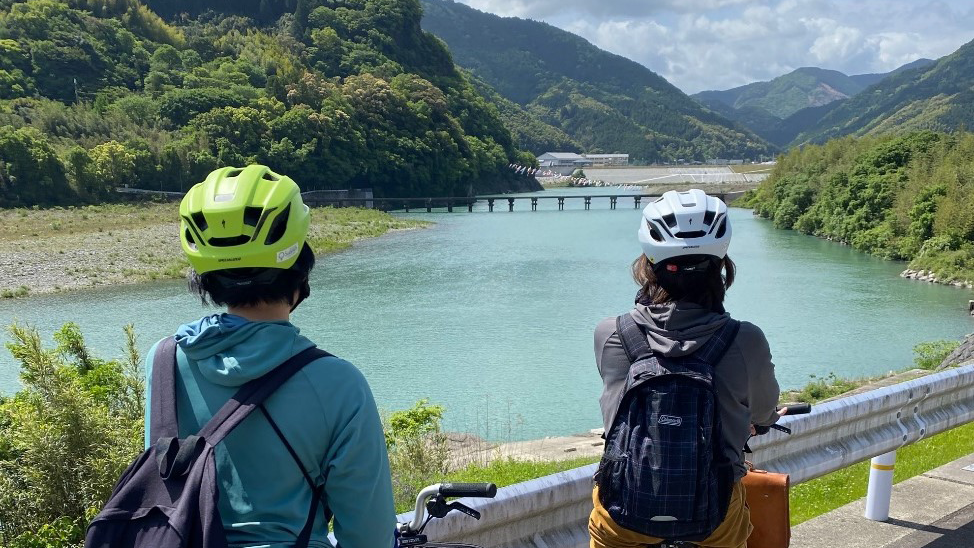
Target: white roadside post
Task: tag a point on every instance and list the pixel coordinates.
(880, 486)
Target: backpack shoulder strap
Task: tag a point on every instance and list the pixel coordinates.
(252, 394)
(633, 338)
(715, 348)
(162, 408)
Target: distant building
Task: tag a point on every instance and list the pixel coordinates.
(608, 159)
(564, 163)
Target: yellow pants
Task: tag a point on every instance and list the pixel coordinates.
(732, 532)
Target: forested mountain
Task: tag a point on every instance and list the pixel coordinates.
(787, 94)
(783, 108)
(604, 102)
(867, 80)
(905, 196)
(938, 97)
(96, 94)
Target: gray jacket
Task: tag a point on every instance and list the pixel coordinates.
(747, 391)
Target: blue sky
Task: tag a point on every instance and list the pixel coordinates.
(719, 44)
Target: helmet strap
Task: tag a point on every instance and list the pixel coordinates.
(303, 293)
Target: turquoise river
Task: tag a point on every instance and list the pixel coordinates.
(491, 314)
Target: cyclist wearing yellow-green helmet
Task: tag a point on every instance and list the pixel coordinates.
(244, 232)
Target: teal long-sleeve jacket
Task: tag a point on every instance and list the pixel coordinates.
(326, 412)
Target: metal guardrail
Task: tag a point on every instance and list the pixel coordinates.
(553, 511)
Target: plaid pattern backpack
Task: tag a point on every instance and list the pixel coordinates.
(663, 473)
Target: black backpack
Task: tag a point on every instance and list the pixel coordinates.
(663, 473)
(168, 497)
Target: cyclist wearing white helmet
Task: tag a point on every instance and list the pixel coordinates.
(683, 274)
(245, 231)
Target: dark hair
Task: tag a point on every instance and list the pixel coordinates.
(706, 287)
(253, 286)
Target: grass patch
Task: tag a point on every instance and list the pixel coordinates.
(824, 494)
(21, 291)
(823, 388)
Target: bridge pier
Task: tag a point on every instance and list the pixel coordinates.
(534, 204)
(612, 202)
(588, 202)
(429, 206)
(510, 204)
(449, 206)
(636, 200)
(470, 207)
(406, 204)
(561, 204)
(490, 204)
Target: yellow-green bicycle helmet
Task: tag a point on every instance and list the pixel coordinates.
(243, 218)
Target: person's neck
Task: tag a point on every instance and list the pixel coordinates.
(263, 312)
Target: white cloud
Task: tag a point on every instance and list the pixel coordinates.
(718, 44)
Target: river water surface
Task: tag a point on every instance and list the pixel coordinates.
(491, 314)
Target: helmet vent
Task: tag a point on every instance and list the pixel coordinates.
(190, 240)
(200, 220)
(278, 226)
(268, 176)
(653, 233)
(670, 220)
(252, 215)
(723, 227)
(233, 173)
(229, 242)
(691, 234)
(708, 217)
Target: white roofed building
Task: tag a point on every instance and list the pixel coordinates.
(608, 159)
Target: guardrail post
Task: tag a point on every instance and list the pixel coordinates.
(490, 204)
(880, 486)
(561, 204)
(510, 204)
(636, 200)
(534, 204)
(612, 202)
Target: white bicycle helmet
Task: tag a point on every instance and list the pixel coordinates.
(684, 224)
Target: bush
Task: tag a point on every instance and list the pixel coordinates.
(929, 355)
(418, 450)
(66, 437)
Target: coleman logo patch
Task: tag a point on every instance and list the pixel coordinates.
(287, 253)
(669, 420)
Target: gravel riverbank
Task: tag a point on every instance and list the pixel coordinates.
(45, 251)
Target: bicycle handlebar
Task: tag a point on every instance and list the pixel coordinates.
(798, 408)
(482, 490)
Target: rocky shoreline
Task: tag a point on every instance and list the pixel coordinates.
(931, 277)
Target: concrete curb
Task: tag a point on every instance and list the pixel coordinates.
(934, 509)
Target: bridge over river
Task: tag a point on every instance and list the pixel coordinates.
(326, 198)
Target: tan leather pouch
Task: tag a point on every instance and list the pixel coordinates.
(767, 499)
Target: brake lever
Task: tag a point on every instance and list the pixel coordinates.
(465, 509)
(437, 507)
(780, 428)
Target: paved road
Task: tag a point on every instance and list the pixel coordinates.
(932, 510)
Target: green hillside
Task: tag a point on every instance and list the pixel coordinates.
(867, 80)
(604, 102)
(938, 97)
(787, 94)
(904, 197)
(530, 132)
(96, 94)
